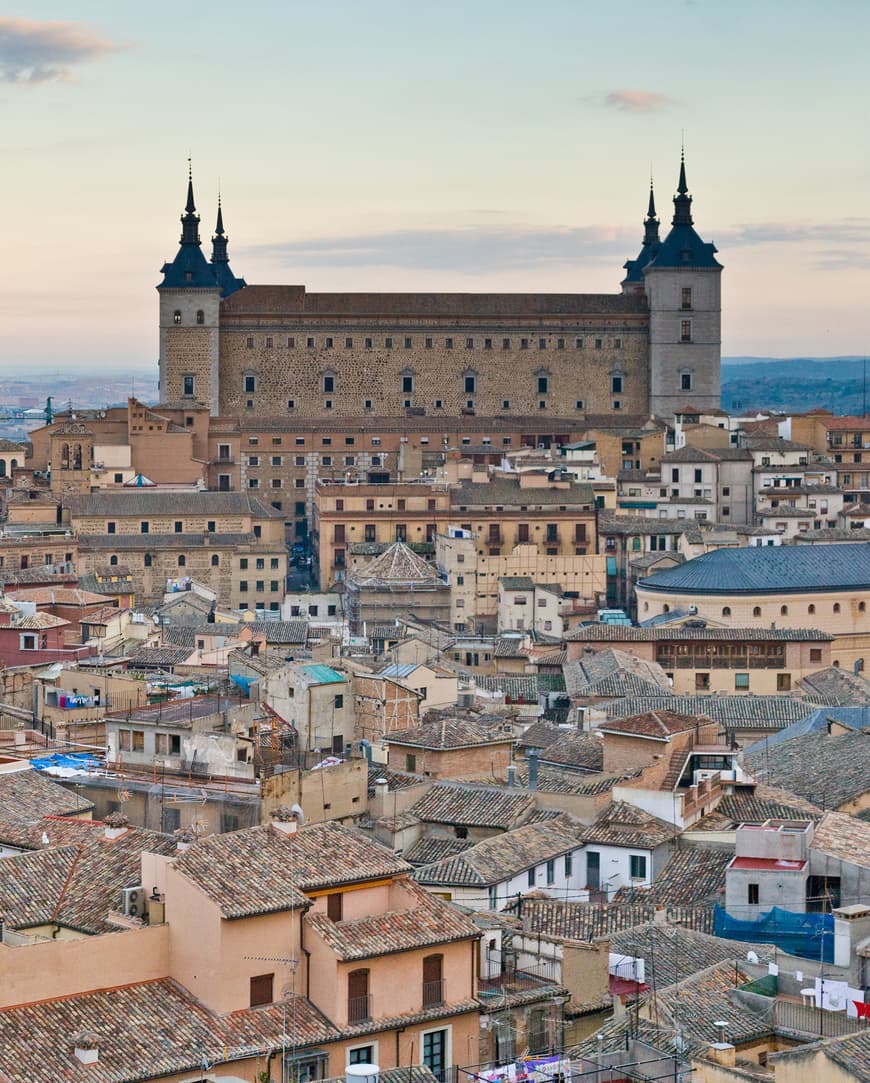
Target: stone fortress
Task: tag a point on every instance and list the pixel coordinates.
(283, 353)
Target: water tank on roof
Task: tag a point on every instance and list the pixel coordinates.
(361, 1073)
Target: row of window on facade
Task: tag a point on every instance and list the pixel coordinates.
(328, 342)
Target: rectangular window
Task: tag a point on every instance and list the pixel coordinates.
(261, 990)
(329, 342)
(309, 342)
(143, 527)
(543, 385)
(410, 762)
(752, 894)
(469, 344)
(569, 865)
(189, 386)
(409, 342)
(637, 866)
(741, 681)
(551, 871)
(111, 528)
(407, 384)
(250, 384)
(616, 384)
(686, 297)
(348, 343)
(685, 330)
(470, 384)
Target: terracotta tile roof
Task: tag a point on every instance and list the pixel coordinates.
(731, 712)
(157, 657)
(76, 885)
(658, 725)
(828, 769)
(145, 1031)
(575, 750)
(28, 794)
(766, 803)
(700, 1000)
(844, 838)
(852, 1053)
(513, 687)
(446, 733)
(621, 824)
(836, 687)
(693, 876)
(540, 734)
(560, 780)
(424, 921)
(144, 503)
(40, 620)
(260, 870)
(673, 954)
(470, 806)
(58, 596)
(428, 851)
(396, 780)
(497, 859)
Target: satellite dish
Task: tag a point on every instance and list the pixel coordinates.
(300, 815)
(752, 957)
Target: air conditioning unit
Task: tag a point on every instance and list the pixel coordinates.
(133, 902)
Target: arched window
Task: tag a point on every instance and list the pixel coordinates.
(182, 561)
(2, 468)
(148, 560)
(14, 464)
(77, 457)
(811, 609)
(113, 560)
(200, 316)
(862, 606)
(176, 316)
(666, 608)
(756, 612)
(646, 607)
(836, 607)
(726, 611)
(64, 456)
(215, 560)
(783, 610)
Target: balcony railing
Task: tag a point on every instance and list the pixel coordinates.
(359, 1009)
(433, 993)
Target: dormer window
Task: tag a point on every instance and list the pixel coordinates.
(188, 276)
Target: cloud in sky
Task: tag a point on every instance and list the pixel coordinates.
(45, 52)
(469, 249)
(637, 101)
(844, 232)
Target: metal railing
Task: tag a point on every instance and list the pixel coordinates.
(802, 1019)
(359, 1009)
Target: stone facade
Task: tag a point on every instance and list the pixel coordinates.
(284, 353)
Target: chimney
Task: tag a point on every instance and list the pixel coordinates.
(284, 819)
(532, 757)
(184, 839)
(86, 1047)
(116, 824)
(511, 776)
(723, 1053)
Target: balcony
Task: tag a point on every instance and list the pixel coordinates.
(553, 537)
(223, 460)
(359, 1009)
(433, 993)
(495, 537)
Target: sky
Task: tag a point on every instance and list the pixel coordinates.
(421, 145)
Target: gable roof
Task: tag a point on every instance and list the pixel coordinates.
(396, 565)
(472, 806)
(621, 824)
(452, 732)
(504, 856)
(261, 869)
(827, 769)
(573, 749)
(845, 838)
(612, 672)
(654, 725)
(75, 885)
(29, 795)
(425, 921)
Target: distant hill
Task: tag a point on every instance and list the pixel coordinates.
(795, 384)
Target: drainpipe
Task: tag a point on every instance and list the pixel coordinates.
(366, 746)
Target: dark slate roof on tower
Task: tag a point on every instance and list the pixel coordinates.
(683, 247)
(190, 269)
(651, 242)
(220, 259)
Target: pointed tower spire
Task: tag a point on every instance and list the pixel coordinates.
(220, 239)
(651, 222)
(190, 219)
(682, 200)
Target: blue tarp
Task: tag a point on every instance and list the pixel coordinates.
(74, 761)
(243, 682)
(798, 934)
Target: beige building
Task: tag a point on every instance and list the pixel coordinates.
(231, 542)
(762, 661)
(790, 586)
